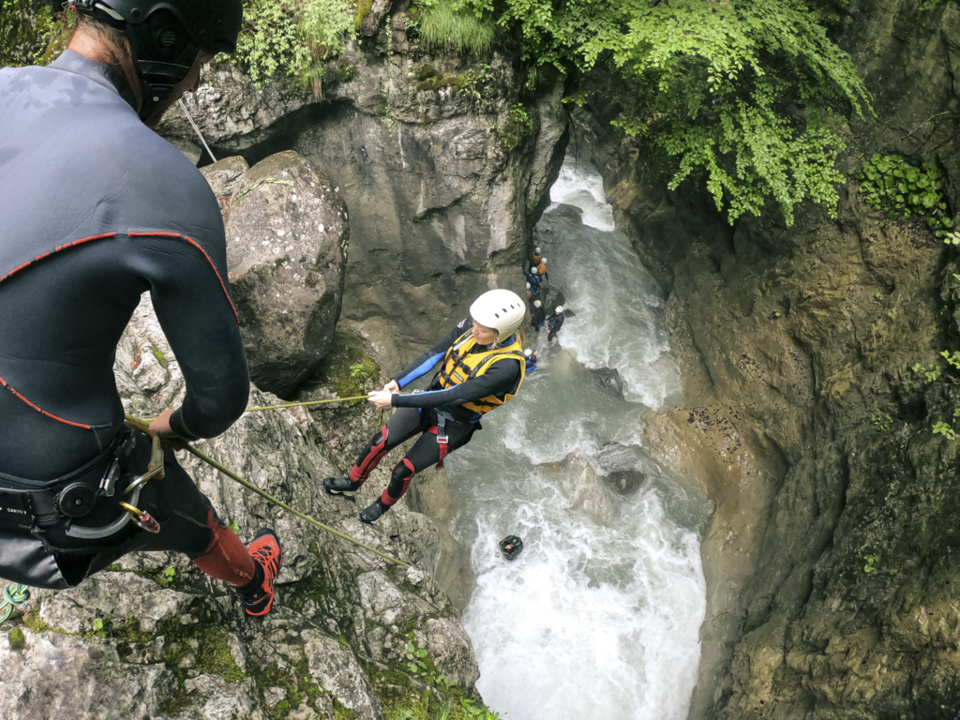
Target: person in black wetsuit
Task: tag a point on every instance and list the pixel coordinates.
(96, 209)
(481, 367)
(554, 323)
(538, 315)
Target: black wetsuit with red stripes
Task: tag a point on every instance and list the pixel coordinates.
(95, 209)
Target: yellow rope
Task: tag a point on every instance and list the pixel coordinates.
(304, 404)
(250, 486)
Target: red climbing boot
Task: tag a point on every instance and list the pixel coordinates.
(267, 554)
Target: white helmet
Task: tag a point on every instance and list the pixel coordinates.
(528, 352)
(536, 251)
(537, 303)
(528, 286)
(559, 309)
(533, 269)
(543, 259)
(501, 310)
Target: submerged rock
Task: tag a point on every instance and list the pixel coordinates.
(591, 496)
(609, 380)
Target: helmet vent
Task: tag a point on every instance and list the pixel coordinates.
(168, 38)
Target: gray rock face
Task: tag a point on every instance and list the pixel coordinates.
(169, 641)
(831, 578)
(287, 232)
(441, 210)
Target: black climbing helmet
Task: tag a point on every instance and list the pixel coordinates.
(511, 546)
(166, 35)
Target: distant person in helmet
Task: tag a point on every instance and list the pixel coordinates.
(538, 315)
(98, 209)
(554, 323)
(541, 269)
(531, 359)
(537, 257)
(481, 367)
(533, 277)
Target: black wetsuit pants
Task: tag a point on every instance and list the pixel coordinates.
(403, 425)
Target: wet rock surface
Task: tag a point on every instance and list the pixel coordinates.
(831, 558)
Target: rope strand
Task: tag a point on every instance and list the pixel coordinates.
(250, 486)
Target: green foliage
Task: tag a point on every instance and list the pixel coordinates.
(931, 372)
(17, 639)
(892, 185)
(518, 126)
(952, 358)
(952, 238)
(292, 37)
(166, 580)
(881, 422)
(27, 29)
(449, 25)
(942, 428)
(871, 563)
(737, 94)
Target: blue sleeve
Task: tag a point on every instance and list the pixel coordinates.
(423, 364)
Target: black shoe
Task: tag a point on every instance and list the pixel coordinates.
(344, 485)
(258, 594)
(374, 512)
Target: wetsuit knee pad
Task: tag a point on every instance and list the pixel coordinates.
(371, 456)
(399, 481)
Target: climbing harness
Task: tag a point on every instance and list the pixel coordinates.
(140, 424)
(13, 594)
(154, 471)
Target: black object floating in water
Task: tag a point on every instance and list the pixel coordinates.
(511, 546)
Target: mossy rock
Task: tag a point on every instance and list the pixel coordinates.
(427, 70)
(346, 367)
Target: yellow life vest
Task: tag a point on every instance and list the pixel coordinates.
(460, 365)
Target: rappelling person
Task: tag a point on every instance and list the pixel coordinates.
(131, 214)
(481, 367)
(530, 356)
(538, 315)
(554, 323)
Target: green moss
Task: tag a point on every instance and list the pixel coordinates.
(363, 9)
(346, 367)
(379, 105)
(214, 656)
(342, 712)
(158, 354)
(33, 621)
(425, 71)
(17, 640)
(280, 262)
(433, 83)
(339, 72)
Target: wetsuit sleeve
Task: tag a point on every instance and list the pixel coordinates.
(499, 379)
(423, 364)
(197, 317)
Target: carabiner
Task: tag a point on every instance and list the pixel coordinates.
(142, 518)
(155, 468)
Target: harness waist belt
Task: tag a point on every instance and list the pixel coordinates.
(25, 503)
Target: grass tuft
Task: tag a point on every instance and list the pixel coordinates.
(446, 27)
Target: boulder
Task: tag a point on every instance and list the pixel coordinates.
(287, 237)
(608, 379)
